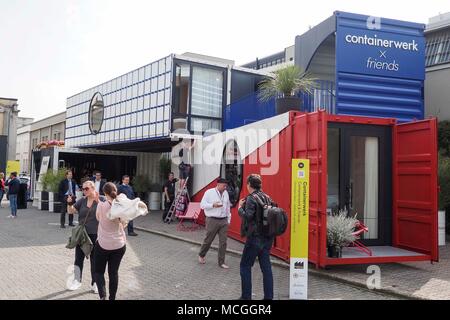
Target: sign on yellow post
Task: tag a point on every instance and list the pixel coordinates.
(299, 229)
(12, 166)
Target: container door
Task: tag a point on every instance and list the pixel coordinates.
(415, 187)
(359, 177)
(309, 142)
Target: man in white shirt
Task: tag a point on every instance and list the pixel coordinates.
(216, 204)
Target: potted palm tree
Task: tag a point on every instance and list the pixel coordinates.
(284, 85)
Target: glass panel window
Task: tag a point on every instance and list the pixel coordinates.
(207, 92)
(199, 125)
(154, 69)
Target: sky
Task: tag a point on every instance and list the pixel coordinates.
(53, 49)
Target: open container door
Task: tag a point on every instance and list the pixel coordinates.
(310, 142)
(415, 187)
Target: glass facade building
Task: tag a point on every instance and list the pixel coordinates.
(149, 103)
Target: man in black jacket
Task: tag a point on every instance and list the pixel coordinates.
(257, 244)
(169, 194)
(99, 183)
(13, 190)
(67, 196)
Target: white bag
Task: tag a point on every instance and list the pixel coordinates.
(127, 209)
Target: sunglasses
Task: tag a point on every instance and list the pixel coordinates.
(86, 189)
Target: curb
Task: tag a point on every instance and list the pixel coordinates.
(315, 272)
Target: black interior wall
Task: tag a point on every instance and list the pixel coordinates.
(113, 167)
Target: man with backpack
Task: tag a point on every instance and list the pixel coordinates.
(261, 222)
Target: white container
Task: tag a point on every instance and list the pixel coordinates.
(155, 201)
(441, 227)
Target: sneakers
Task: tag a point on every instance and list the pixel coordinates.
(75, 285)
(94, 288)
(63, 226)
(133, 234)
(10, 216)
(224, 266)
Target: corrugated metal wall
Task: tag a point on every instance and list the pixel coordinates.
(148, 164)
(375, 96)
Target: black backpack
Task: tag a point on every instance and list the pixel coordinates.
(274, 219)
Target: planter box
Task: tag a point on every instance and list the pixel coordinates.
(53, 204)
(284, 105)
(44, 201)
(154, 201)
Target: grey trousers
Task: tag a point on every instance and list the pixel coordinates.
(214, 227)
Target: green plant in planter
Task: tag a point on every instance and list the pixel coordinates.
(141, 184)
(155, 187)
(340, 228)
(51, 180)
(286, 82)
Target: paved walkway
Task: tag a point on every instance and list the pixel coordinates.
(34, 264)
(420, 280)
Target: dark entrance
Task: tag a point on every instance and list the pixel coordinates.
(360, 177)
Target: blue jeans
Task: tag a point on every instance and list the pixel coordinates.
(257, 247)
(13, 204)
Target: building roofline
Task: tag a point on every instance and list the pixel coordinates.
(46, 118)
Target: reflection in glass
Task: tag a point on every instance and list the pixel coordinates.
(364, 182)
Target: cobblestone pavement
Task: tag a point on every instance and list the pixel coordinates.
(421, 280)
(34, 264)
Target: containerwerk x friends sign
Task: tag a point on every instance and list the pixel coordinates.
(378, 46)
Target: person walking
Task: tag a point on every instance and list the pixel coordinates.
(126, 189)
(99, 183)
(169, 194)
(86, 208)
(2, 186)
(67, 196)
(216, 204)
(111, 244)
(257, 244)
(13, 184)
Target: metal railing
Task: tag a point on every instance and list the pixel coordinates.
(249, 109)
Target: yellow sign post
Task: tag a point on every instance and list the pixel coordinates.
(12, 166)
(299, 229)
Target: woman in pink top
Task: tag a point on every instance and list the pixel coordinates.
(111, 245)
